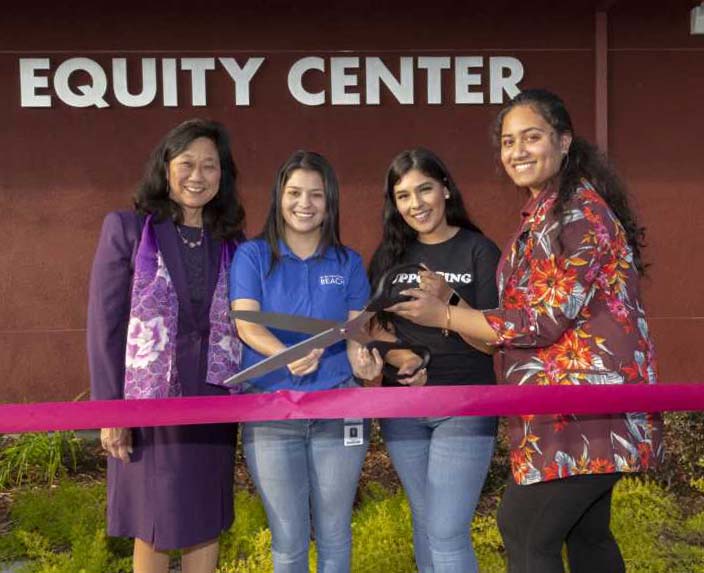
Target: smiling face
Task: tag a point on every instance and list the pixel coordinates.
(194, 178)
(303, 203)
(420, 200)
(531, 150)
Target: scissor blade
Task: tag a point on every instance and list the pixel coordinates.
(356, 329)
(321, 340)
(283, 321)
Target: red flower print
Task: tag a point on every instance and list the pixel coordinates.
(559, 423)
(503, 329)
(644, 452)
(592, 273)
(591, 196)
(513, 297)
(528, 439)
(519, 465)
(619, 311)
(632, 371)
(601, 466)
(591, 216)
(550, 373)
(573, 352)
(552, 283)
(613, 277)
(552, 472)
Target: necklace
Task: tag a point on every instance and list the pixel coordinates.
(190, 244)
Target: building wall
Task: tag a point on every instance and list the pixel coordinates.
(62, 168)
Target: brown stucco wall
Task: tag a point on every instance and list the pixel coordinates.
(62, 169)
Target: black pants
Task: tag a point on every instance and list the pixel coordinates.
(536, 520)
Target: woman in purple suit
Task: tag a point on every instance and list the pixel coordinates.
(158, 327)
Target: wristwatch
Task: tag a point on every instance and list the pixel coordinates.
(454, 299)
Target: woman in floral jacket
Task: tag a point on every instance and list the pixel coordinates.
(570, 313)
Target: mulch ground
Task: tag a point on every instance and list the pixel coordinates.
(5, 501)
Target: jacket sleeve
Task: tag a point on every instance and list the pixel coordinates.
(108, 307)
(544, 297)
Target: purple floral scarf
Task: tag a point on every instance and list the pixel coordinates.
(150, 358)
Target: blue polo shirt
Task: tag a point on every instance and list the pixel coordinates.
(326, 286)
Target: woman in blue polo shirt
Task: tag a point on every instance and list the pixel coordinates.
(299, 266)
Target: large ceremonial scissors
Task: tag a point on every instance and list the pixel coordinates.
(327, 332)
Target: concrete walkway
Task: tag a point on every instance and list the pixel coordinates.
(11, 566)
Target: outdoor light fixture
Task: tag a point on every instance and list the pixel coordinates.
(696, 25)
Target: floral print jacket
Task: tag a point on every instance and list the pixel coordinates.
(570, 314)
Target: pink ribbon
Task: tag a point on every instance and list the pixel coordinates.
(353, 403)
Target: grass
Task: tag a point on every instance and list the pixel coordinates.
(38, 458)
(58, 521)
(61, 529)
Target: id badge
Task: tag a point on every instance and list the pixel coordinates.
(354, 432)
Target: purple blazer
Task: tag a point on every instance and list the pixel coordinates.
(177, 489)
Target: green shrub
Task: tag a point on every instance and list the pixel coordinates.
(695, 526)
(382, 538)
(639, 510)
(88, 554)
(61, 512)
(488, 545)
(258, 561)
(381, 533)
(39, 458)
(62, 529)
(688, 544)
(242, 539)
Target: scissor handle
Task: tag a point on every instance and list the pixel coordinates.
(383, 297)
(384, 347)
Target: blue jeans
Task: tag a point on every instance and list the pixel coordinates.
(302, 468)
(442, 463)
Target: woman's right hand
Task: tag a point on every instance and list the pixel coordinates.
(307, 364)
(406, 362)
(117, 442)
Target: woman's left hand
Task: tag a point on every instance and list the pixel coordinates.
(435, 285)
(366, 365)
(425, 309)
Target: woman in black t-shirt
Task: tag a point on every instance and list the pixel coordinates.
(442, 462)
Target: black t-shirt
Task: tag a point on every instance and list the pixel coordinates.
(468, 262)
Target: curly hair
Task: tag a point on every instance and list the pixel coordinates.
(223, 215)
(583, 161)
(397, 234)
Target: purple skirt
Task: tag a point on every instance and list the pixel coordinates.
(178, 489)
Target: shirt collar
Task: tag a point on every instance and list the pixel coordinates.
(533, 203)
(286, 251)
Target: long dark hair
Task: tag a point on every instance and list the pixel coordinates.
(223, 215)
(274, 227)
(397, 234)
(583, 161)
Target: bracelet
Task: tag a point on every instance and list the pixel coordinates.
(448, 318)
